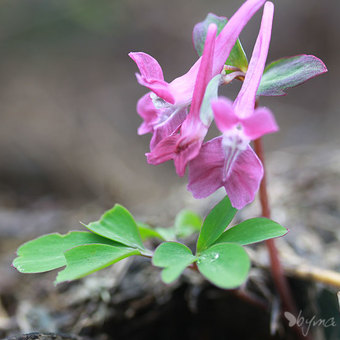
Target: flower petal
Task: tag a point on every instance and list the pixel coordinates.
(245, 178)
(228, 36)
(206, 170)
(260, 123)
(160, 87)
(225, 117)
(148, 65)
(189, 152)
(205, 71)
(245, 101)
(163, 151)
(151, 75)
(147, 110)
(169, 126)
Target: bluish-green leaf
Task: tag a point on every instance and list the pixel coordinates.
(211, 93)
(288, 72)
(226, 265)
(237, 57)
(47, 252)
(174, 258)
(215, 223)
(187, 223)
(199, 33)
(118, 224)
(251, 231)
(84, 260)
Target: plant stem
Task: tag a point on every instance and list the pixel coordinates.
(279, 278)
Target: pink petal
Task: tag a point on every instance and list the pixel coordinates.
(245, 101)
(182, 87)
(147, 110)
(225, 117)
(228, 36)
(245, 178)
(206, 170)
(260, 123)
(205, 70)
(169, 126)
(160, 87)
(163, 151)
(189, 152)
(148, 66)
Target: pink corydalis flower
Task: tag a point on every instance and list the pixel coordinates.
(172, 99)
(185, 145)
(228, 160)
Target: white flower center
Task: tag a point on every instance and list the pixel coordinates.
(234, 142)
(158, 102)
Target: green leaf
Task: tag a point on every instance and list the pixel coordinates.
(288, 72)
(251, 231)
(226, 265)
(147, 232)
(215, 224)
(174, 258)
(84, 260)
(237, 57)
(187, 223)
(47, 252)
(211, 93)
(118, 224)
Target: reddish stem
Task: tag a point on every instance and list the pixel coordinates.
(279, 278)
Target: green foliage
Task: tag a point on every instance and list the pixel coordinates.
(288, 72)
(146, 232)
(174, 258)
(226, 265)
(47, 252)
(220, 256)
(215, 223)
(115, 236)
(118, 224)
(251, 231)
(237, 57)
(84, 260)
(187, 223)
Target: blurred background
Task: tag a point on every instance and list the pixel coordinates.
(68, 142)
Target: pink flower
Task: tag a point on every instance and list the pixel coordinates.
(185, 145)
(172, 99)
(228, 160)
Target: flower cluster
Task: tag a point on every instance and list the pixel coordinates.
(179, 113)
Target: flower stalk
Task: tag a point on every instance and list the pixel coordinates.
(277, 271)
